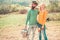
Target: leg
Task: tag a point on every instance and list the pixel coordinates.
(44, 33)
(29, 31)
(33, 32)
(40, 35)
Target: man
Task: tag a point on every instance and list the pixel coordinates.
(32, 19)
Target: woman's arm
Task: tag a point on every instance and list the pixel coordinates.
(44, 17)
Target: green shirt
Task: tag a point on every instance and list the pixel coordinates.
(32, 17)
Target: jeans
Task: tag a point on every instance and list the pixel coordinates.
(42, 32)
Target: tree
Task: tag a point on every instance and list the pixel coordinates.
(54, 6)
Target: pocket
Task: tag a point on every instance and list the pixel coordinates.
(39, 25)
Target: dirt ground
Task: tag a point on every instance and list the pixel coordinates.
(14, 32)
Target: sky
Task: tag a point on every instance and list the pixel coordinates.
(24, 1)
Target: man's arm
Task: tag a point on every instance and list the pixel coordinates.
(28, 17)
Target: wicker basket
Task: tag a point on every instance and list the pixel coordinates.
(24, 33)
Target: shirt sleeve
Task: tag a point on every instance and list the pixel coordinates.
(28, 17)
(44, 17)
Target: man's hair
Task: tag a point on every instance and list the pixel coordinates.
(35, 2)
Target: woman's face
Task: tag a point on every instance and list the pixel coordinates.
(42, 7)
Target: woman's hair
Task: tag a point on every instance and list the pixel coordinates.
(42, 6)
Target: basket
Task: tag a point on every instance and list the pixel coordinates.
(24, 33)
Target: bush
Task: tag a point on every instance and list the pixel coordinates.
(53, 6)
(23, 11)
(53, 17)
(5, 9)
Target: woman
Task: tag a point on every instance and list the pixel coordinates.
(41, 19)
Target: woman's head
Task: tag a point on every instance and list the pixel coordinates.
(42, 7)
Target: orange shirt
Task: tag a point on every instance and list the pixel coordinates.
(41, 18)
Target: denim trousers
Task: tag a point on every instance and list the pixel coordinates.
(42, 32)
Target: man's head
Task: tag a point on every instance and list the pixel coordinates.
(34, 4)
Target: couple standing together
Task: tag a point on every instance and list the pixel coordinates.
(37, 18)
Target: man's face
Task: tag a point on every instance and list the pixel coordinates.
(33, 5)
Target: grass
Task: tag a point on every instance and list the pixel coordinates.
(56, 23)
(12, 19)
(54, 16)
(17, 19)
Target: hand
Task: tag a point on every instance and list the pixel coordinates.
(39, 29)
(42, 27)
(26, 27)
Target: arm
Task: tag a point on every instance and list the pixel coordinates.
(37, 16)
(28, 17)
(44, 17)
